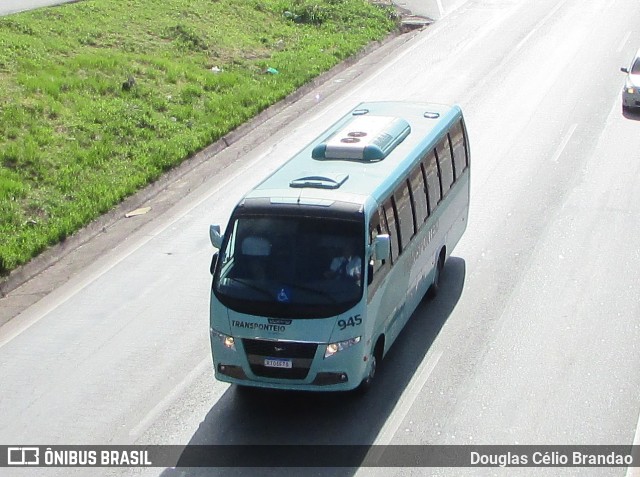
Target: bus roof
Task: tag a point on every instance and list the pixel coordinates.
(363, 155)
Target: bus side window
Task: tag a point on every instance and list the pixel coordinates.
(419, 195)
(392, 228)
(433, 182)
(405, 215)
(459, 146)
(443, 153)
(376, 228)
(377, 268)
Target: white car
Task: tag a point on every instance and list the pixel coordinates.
(631, 91)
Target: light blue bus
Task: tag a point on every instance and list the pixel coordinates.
(322, 264)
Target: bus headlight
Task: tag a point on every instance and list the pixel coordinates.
(630, 90)
(226, 340)
(333, 348)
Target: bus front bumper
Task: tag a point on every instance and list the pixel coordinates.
(341, 372)
(235, 374)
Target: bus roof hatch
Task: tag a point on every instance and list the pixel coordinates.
(364, 138)
(328, 181)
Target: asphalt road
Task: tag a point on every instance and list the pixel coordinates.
(534, 339)
(433, 8)
(14, 6)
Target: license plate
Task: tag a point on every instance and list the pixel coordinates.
(277, 363)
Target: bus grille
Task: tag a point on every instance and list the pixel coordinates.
(301, 355)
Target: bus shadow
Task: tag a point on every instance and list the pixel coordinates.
(263, 417)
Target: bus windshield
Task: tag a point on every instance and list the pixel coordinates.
(291, 266)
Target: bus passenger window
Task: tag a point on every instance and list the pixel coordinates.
(445, 162)
(392, 227)
(405, 214)
(375, 229)
(459, 147)
(433, 183)
(419, 194)
(377, 268)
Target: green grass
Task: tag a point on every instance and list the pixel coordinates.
(75, 140)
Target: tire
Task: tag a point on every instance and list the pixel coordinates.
(376, 357)
(433, 290)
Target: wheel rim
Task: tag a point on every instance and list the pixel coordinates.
(374, 364)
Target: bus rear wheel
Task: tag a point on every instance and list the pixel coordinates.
(435, 285)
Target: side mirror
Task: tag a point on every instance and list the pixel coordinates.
(624, 70)
(215, 236)
(381, 247)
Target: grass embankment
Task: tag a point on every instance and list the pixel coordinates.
(99, 98)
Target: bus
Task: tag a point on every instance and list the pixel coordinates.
(322, 264)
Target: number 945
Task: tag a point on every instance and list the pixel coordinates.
(352, 321)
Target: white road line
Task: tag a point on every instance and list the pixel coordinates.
(403, 406)
(624, 41)
(635, 471)
(406, 400)
(564, 143)
(539, 25)
(164, 404)
(480, 85)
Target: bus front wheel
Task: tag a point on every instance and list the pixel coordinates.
(374, 362)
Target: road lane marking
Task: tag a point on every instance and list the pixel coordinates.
(480, 85)
(624, 41)
(635, 471)
(146, 422)
(563, 144)
(407, 399)
(539, 25)
(402, 407)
